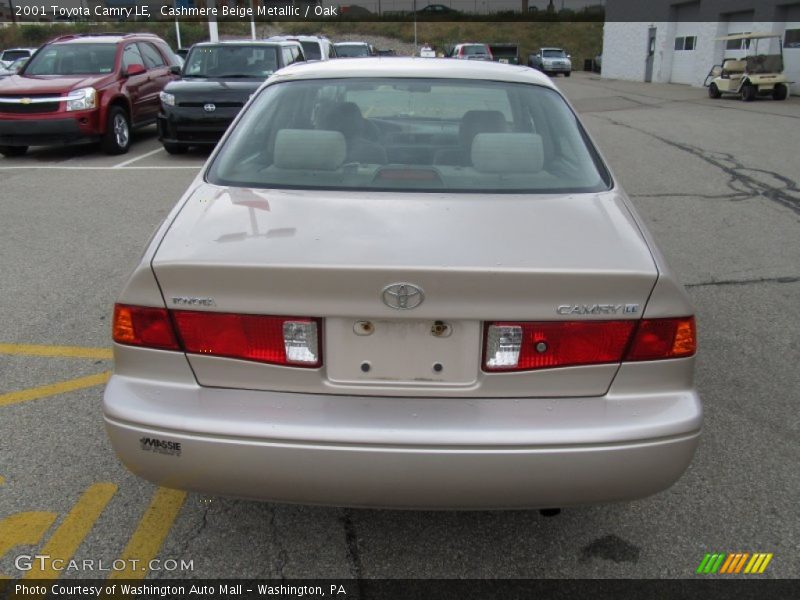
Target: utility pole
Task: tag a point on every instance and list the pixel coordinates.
(213, 31)
(415, 27)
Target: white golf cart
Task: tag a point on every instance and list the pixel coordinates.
(755, 75)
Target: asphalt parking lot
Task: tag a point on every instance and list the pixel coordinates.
(716, 181)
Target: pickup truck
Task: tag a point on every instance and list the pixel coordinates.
(551, 61)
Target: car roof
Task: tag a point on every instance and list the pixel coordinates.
(440, 68)
(551, 48)
(299, 38)
(351, 44)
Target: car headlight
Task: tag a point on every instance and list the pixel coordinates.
(167, 99)
(82, 99)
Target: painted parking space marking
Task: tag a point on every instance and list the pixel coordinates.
(151, 532)
(30, 528)
(56, 351)
(52, 389)
(135, 158)
(61, 387)
(75, 527)
(24, 529)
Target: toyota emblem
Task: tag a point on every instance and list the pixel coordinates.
(402, 296)
(209, 107)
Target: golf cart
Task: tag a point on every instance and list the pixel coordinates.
(755, 75)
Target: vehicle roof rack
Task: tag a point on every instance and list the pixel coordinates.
(74, 36)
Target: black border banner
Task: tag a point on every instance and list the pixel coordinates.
(740, 588)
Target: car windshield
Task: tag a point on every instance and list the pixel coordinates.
(73, 59)
(554, 54)
(409, 134)
(352, 50)
(311, 50)
(231, 60)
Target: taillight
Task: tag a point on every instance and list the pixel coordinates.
(143, 326)
(544, 345)
(664, 338)
(525, 346)
(291, 341)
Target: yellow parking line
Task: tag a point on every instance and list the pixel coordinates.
(69, 535)
(56, 351)
(150, 534)
(52, 389)
(24, 529)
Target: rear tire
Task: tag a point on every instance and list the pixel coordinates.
(173, 148)
(117, 138)
(713, 91)
(10, 151)
(748, 92)
(780, 92)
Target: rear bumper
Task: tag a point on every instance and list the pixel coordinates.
(44, 131)
(405, 477)
(440, 453)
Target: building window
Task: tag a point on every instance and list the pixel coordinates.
(791, 38)
(686, 43)
(737, 44)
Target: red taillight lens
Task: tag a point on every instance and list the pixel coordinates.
(292, 341)
(525, 346)
(544, 345)
(664, 338)
(143, 326)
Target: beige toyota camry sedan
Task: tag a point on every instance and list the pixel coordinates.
(405, 283)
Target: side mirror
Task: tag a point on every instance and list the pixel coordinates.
(134, 69)
(175, 70)
(569, 55)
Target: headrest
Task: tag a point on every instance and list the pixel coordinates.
(342, 116)
(508, 153)
(480, 121)
(309, 149)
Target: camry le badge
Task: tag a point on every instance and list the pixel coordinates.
(209, 107)
(402, 296)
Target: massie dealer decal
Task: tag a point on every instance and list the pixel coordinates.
(160, 446)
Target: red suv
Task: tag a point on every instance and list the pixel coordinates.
(88, 87)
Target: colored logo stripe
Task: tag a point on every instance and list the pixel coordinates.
(733, 563)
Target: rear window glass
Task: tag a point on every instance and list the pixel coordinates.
(10, 55)
(352, 50)
(474, 49)
(231, 61)
(311, 50)
(409, 134)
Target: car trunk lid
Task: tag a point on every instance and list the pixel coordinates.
(474, 258)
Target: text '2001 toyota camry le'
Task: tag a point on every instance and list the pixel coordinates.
(405, 283)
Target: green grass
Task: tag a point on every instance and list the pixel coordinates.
(582, 40)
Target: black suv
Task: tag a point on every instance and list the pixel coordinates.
(216, 81)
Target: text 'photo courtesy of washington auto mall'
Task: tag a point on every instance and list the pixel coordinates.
(399, 299)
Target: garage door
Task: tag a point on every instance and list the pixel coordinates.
(791, 55)
(738, 48)
(683, 57)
